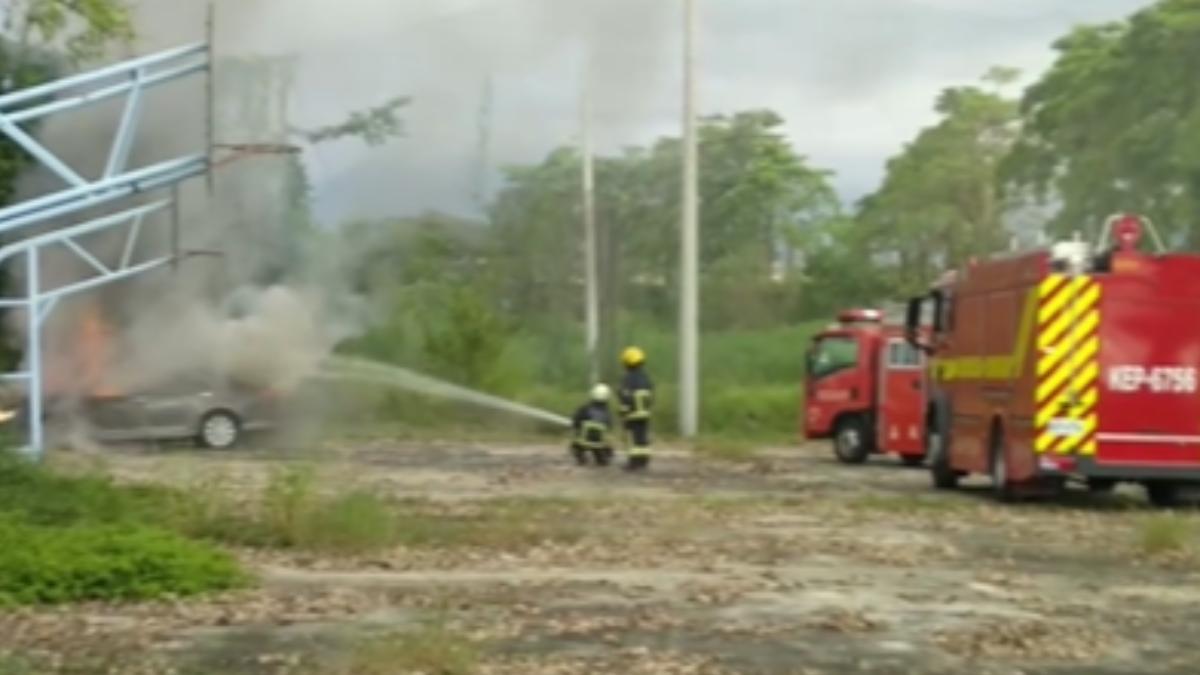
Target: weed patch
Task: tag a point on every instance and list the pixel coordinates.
(1165, 535)
(908, 504)
(726, 450)
(508, 525)
(294, 513)
(353, 523)
(433, 649)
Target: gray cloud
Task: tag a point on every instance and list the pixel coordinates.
(854, 78)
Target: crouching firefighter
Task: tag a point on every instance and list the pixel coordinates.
(637, 396)
(593, 429)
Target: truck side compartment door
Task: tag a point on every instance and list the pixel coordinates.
(901, 423)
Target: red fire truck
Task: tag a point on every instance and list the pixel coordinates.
(865, 389)
(1068, 364)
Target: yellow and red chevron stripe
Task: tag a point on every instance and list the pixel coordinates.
(1068, 369)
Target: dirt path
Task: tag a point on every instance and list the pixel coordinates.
(788, 564)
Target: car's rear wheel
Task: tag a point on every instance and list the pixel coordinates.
(220, 430)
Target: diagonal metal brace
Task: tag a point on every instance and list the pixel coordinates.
(117, 180)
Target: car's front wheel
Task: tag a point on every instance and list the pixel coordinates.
(220, 430)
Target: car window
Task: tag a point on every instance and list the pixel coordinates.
(833, 354)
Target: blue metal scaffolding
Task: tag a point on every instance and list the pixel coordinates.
(117, 182)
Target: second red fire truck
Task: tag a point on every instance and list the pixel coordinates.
(864, 389)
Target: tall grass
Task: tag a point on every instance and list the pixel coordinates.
(750, 381)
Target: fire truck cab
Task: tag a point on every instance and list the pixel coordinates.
(864, 386)
(1068, 364)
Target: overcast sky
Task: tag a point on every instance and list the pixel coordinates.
(855, 79)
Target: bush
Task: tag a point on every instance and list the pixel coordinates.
(48, 565)
(70, 539)
(41, 497)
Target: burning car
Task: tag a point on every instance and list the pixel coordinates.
(208, 411)
(213, 414)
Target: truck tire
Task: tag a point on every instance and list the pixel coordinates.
(850, 444)
(1163, 495)
(1002, 488)
(944, 477)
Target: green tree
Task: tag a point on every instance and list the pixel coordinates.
(537, 237)
(1115, 124)
(759, 198)
(42, 36)
(839, 271)
(940, 203)
(84, 28)
(375, 126)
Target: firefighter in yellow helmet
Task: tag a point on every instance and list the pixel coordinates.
(593, 424)
(636, 398)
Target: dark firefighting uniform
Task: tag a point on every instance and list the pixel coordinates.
(593, 433)
(637, 397)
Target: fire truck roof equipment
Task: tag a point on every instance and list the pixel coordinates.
(852, 316)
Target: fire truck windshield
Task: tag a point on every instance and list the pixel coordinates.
(832, 354)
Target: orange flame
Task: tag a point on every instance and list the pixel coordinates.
(96, 353)
(88, 360)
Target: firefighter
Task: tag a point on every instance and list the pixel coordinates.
(637, 396)
(593, 428)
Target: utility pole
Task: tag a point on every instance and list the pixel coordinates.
(210, 112)
(591, 290)
(689, 300)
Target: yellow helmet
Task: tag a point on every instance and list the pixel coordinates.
(632, 356)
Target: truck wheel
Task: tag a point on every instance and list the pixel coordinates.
(1101, 485)
(1163, 495)
(944, 477)
(850, 441)
(1001, 487)
(912, 460)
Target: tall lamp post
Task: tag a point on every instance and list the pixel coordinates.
(689, 310)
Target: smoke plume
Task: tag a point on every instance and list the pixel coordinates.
(266, 312)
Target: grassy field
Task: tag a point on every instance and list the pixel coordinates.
(383, 556)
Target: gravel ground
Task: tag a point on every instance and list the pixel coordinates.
(789, 563)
